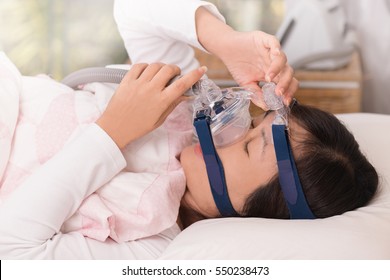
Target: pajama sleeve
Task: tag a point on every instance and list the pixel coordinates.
(31, 218)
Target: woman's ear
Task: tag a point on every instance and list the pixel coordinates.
(188, 216)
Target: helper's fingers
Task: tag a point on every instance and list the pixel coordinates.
(164, 75)
(285, 78)
(278, 62)
(179, 87)
(277, 57)
(150, 72)
(135, 71)
(169, 110)
(253, 86)
(270, 42)
(288, 95)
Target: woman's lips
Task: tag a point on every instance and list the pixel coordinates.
(198, 150)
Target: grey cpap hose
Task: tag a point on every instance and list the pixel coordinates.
(103, 75)
(94, 74)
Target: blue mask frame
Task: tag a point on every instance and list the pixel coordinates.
(288, 175)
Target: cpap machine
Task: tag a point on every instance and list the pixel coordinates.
(314, 35)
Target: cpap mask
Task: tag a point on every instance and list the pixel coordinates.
(227, 110)
(221, 118)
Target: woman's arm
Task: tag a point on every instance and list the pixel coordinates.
(31, 218)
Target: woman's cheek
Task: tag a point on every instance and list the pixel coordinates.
(198, 193)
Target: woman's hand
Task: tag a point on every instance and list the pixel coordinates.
(251, 57)
(143, 100)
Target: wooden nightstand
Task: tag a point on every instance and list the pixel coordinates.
(337, 91)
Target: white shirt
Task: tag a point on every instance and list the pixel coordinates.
(152, 30)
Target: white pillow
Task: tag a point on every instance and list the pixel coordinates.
(360, 234)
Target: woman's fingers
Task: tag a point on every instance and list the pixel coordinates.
(180, 86)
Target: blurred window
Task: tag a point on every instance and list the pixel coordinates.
(59, 36)
(249, 15)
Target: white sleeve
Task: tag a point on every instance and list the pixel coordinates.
(161, 31)
(31, 218)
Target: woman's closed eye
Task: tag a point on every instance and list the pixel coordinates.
(246, 143)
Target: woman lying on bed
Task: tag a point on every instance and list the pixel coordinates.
(335, 176)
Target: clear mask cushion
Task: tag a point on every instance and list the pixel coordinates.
(229, 109)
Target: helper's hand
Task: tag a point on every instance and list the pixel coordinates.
(256, 56)
(251, 57)
(143, 100)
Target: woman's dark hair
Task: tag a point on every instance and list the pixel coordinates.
(336, 177)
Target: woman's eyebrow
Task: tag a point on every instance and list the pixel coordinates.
(264, 138)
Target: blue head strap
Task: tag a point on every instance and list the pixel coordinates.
(213, 163)
(288, 175)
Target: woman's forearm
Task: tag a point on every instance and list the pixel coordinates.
(212, 33)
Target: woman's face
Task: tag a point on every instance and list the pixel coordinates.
(248, 164)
